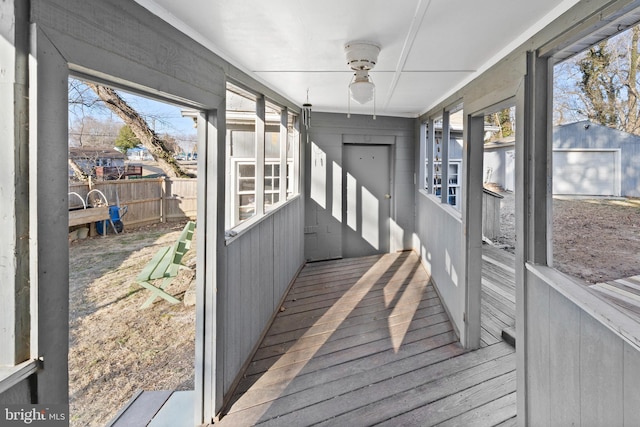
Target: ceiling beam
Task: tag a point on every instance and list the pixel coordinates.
(416, 23)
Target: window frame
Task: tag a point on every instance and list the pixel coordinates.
(288, 176)
(435, 151)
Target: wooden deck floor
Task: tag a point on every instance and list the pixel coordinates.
(623, 293)
(366, 341)
(498, 294)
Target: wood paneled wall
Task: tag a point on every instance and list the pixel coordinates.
(439, 241)
(579, 371)
(325, 172)
(261, 263)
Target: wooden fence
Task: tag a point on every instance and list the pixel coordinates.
(148, 201)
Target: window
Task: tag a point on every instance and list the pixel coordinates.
(241, 155)
(454, 183)
(293, 154)
(246, 190)
(273, 156)
(595, 208)
(262, 155)
(443, 156)
(433, 157)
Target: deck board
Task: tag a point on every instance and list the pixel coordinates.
(141, 409)
(498, 308)
(367, 340)
(623, 293)
(177, 411)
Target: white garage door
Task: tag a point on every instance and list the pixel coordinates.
(584, 172)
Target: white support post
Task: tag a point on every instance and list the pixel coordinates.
(472, 218)
(15, 321)
(260, 138)
(49, 214)
(210, 260)
(431, 136)
(284, 138)
(533, 204)
(444, 192)
(298, 159)
(422, 158)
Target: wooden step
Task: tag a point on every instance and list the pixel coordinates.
(162, 408)
(141, 409)
(509, 335)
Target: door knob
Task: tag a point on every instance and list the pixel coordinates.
(387, 196)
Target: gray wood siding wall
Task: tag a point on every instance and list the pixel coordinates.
(439, 241)
(324, 166)
(143, 52)
(18, 394)
(260, 265)
(579, 372)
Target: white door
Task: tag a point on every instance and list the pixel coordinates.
(586, 172)
(366, 200)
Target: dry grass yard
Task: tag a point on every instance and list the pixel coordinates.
(594, 239)
(597, 239)
(116, 348)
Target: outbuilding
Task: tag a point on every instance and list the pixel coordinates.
(500, 162)
(592, 159)
(588, 160)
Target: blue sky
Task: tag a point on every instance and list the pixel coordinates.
(160, 116)
(169, 116)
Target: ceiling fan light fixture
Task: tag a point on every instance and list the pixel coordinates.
(361, 58)
(361, 55)
(362, 89)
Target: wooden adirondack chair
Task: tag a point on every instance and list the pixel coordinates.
(164, 267)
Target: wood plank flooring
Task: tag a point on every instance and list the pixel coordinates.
(498, 309)
(366, 341)
(161, 408)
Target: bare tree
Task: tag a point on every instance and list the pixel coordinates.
(89, 131)
(78, 172)
(147, 136)
(601, 84)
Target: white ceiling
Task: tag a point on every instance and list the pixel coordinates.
(429, 48)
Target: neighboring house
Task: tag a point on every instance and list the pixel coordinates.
(139, 154)
(88, 158)
(588, 159)
(455, 163)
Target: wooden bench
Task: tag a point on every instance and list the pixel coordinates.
(164, 266)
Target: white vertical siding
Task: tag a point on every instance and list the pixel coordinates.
(260, 265)
(439, 236)
(404, 205)
(579, 371)
(564, 319)
(630, 390)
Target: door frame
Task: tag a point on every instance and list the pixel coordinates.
(365, 141)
